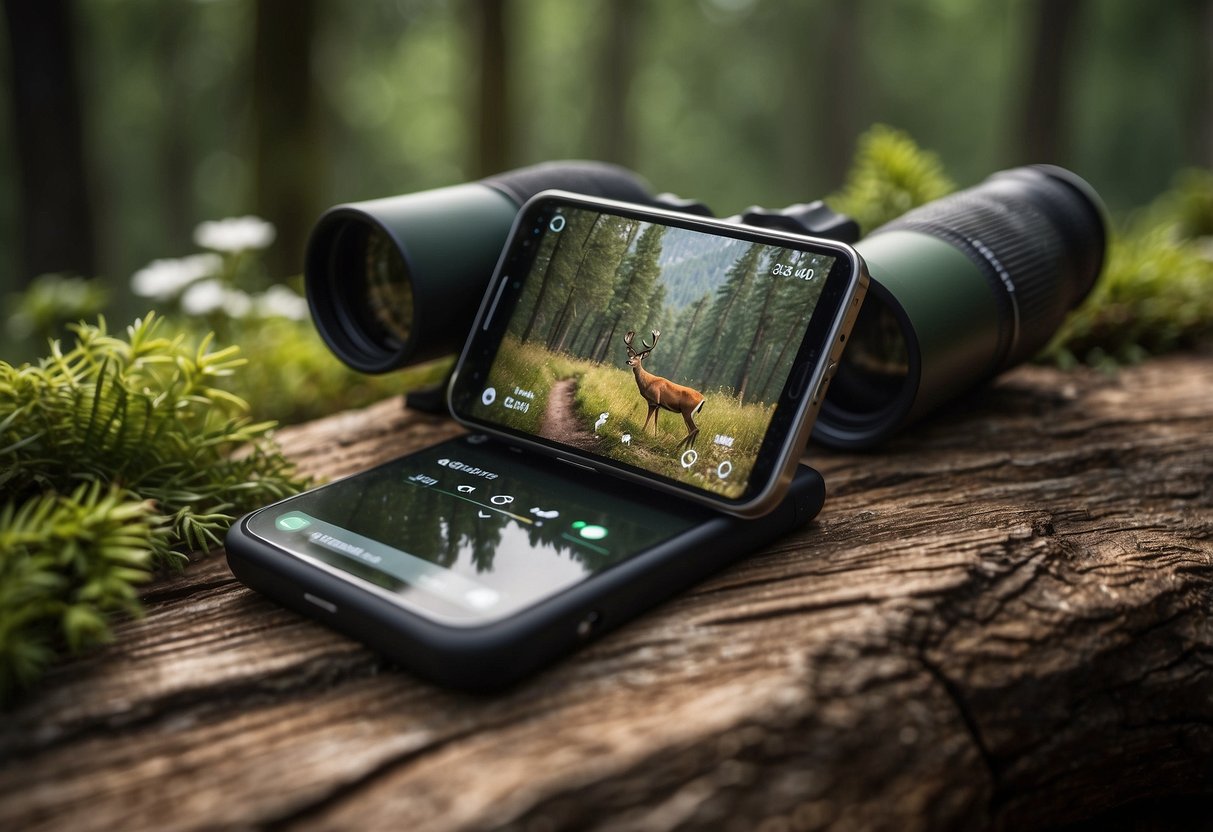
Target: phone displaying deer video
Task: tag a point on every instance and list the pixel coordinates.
(686, 352)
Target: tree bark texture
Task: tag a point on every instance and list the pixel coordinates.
(1000, 620)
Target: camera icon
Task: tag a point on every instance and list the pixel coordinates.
(488, 396)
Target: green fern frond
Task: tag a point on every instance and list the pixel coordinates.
(66, 564)
(156, 458)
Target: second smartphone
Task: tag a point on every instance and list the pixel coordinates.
(684, 353)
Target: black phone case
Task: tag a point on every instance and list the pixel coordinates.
(492, 656)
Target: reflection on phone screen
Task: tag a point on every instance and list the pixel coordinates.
(471, 531)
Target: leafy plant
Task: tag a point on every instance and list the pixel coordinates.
(292, 376)
(1156, 291)
(52, 300)
(889, 176)
(66, 563)
(156, 458)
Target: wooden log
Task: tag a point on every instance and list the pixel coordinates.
(1002, 619)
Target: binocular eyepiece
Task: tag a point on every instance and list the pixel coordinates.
(962, 288)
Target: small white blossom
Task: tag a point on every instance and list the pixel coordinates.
(210, 296)
(235, 234)
(281, 302)
(164, 279)
(237, 304)
(203, 297)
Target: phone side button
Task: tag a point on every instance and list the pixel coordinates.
(799, 377)
(825, 381)
(327, 606)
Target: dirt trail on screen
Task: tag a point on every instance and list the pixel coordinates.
(560, 419)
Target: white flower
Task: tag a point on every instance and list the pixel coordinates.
(211, 296)
(236, 303)
(164, 279)
(235, 234)
(203, 297)
(282, 302)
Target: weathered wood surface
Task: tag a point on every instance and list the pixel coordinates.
(1003, 619)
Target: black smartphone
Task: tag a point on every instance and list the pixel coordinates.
(688, 354)
(474, 563)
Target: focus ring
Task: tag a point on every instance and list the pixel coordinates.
(1015, 247)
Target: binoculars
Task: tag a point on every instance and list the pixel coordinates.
(962, 288)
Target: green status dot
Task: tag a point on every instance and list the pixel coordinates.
(593, 532)
(580, 524)
(292, 522)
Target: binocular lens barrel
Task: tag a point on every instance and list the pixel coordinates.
(393, 281)
(398, 280)
(962, 288)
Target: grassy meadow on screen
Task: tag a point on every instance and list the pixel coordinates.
(729, 316)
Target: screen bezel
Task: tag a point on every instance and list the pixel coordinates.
(795, 405)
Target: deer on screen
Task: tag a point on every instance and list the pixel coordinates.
(663, 394)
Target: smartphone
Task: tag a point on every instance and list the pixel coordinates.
(473, 563)
(684, 353)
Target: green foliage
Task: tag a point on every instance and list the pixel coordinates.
(532, 368)
(51, 301)
(889, 175)
(1187, 208)
(157, 458)
(731, 313)
(292, 377)
(1156, 292)
(66, 562)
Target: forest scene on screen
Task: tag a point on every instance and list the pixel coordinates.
(655, 346)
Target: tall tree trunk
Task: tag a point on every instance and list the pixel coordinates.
(287, 150)
(613, 136)
(688, 333)
(494, 146)
(54, 204)
(1042, 118)
(1201, 109)
(743, 373)
(835, 72)
(174, 157)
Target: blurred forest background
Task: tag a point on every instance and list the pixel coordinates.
(130, 125)
(128, 122)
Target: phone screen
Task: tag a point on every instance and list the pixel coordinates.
(662, 347)
(470, 531)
